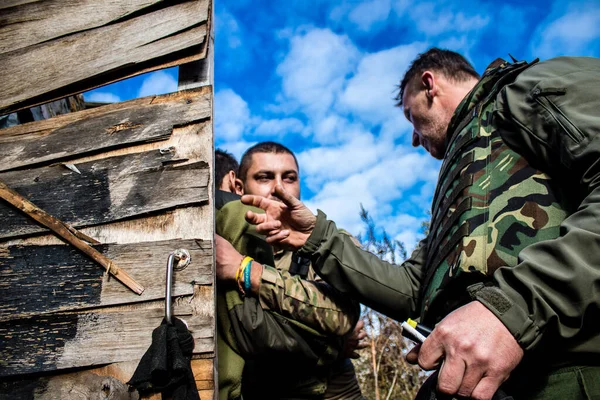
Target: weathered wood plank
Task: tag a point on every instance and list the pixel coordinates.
(68, 340)
(70, 235)
(105, 190)
(80, 385)
(64, 279)
(104, 382)
(86, 59)
(36, 22)
(100, 129)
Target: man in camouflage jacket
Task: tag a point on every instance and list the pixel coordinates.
(510, 271)
(296, 306)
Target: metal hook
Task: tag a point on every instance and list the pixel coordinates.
(183, 260)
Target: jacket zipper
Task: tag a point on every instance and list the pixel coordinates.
(540, 97)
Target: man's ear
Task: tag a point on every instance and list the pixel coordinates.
(238, 186)
(428, 80)
(230, 181)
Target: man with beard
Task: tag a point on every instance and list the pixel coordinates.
(508, 276)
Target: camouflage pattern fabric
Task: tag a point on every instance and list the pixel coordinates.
(266, 339)
(310, 300)
(489, 205)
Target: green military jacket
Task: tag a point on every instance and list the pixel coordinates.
(550, 114)
(296, 323)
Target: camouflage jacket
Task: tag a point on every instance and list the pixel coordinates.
(293, 323)
(549, 113)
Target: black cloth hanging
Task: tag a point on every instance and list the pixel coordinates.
(165, 367)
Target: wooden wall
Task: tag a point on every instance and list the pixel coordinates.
(135, 176)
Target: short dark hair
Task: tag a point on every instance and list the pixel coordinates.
(263, 147)
(449, 63)
(224, 162)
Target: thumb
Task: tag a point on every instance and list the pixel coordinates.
(412, 357)
(287, 198)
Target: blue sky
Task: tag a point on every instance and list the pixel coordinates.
(319, 76)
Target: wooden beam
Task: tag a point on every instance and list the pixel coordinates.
(69, 235)
(200, 73)
(91, 56)
(104, 190)
(65, 280)
(113, 126)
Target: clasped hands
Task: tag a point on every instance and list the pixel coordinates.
(473, 349)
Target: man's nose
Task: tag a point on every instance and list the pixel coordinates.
(415, 139)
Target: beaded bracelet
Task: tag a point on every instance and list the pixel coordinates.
(247, 278)
(240, 274)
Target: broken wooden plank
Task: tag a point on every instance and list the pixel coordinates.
(79, 385)
(40, 21)
(92, 131)
(92, 57)
(105, 190)
(36, 280)
(69, 235)
(69, 340)
(103, 382)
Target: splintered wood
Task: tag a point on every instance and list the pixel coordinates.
(52, 49)
(141, 196)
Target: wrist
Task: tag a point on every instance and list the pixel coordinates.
(255, 278)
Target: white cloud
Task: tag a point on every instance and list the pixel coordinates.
(279, 127)
(232, 115)
(334, 129)
(322, 164)
(370, 92)
(570, 34)
(102, 97)
(368, 13)
(433, 19)
(316, 67)
(158, 82)
(378, 187)
(237, 148)
(227, 25)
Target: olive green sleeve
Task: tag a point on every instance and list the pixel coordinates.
(387, 288)
(251, 330)
(312, 302)
(551, 115)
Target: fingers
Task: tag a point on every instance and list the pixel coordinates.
(451, 375)
(470, 380)
(486, 388)
(278, 237)
(252, 200)
(269, 227)
(255, 218)
(361, 335)
(431, 352)
(284, 196)
(413, 355)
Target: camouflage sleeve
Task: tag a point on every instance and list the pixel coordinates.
(550, 114)
(247, 328)
(312, 302)
(387, 288)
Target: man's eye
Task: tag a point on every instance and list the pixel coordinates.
(290, 179)
(262, 178)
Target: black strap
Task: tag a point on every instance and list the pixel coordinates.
(300, 266)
